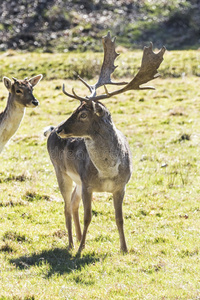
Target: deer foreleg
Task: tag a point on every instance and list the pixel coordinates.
(76, 197)
(118, 200)
(65, 185)
(87, 199)
(68, 222)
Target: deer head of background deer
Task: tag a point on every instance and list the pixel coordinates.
(21, 91)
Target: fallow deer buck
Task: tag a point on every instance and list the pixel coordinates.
(89, 150)
(20, 96)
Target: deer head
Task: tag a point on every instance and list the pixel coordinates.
(22, 90)
(85, 120)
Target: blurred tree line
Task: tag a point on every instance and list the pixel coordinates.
(74, 25)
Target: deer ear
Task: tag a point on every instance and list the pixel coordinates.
(8, 83)
(34, 80)
(98, 109)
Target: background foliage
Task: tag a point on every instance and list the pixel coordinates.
(65, 25)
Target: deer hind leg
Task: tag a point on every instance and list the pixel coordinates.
(118, 200)
(75, 201)
(87, 199)
(65, 184)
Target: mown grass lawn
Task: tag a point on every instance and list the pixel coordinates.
(161, 206)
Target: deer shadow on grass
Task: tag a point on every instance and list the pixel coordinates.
(60, 261)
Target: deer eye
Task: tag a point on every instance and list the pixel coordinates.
(18, 91)
(83, 116)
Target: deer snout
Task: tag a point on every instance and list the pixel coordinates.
(35, 102)
(60, 132)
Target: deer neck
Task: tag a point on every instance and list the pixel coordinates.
(104, 150)
(10, 120)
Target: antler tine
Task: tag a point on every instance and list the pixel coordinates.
(74, 96)
(85, 83)
(91, 88)
(78, 97)
(66, 93)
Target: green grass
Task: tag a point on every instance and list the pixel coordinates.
(161, 205)
(68, 65)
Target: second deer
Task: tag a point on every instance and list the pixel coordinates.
(20, 96)
(89, 150)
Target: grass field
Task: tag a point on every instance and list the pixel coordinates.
(161, 205)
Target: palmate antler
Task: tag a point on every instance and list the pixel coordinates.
(148, 71)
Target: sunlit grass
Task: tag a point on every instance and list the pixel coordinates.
(161, 205)
(87, 65)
